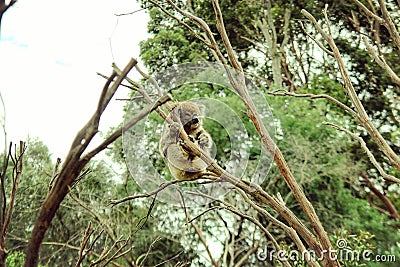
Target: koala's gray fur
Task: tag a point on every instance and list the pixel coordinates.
(182, 164)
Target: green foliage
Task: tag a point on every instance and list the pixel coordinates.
(359, 249)
(169, 45)
(37, 168)
(16, 259)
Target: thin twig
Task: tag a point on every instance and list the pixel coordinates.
(313, 96)
(381, 62)
(17, 172)
(369, 153)
(117, 133)
(369, 12)
(394, 33)
(153, 193)
(85, 239)
(195, 34)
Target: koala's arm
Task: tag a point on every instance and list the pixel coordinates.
(180, 159)
(170, 137)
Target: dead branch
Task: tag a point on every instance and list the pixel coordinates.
(158, 238)
(389, 24)
(4, 7)
(170, 259)
(385, 200)
(85, 238)
(75, 162)
(118, 254)
(82, 252)
(348, 86)
(240, 86)
(252, 219)
(314, 96)
(316, 40)
(198, 231)
(369, 153)
(115, 255)
(381, 62)
(153, 193)
(369, 12)
(17, 158)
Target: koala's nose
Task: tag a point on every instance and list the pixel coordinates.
(195, 120)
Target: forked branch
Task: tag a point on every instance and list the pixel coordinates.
(364, 120)
(76, 160)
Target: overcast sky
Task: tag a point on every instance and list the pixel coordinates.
(50, 51)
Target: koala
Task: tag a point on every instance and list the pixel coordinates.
(182, 164)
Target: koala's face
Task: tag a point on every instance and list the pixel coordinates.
(190, 115)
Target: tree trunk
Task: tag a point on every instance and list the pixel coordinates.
(3, 257)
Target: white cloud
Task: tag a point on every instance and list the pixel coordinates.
(49, 55)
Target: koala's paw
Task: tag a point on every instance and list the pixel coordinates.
(191, 138)
(204, 141)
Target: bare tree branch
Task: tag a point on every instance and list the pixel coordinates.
(369, 12)
(313, 96)
(74, 163)
(234, 210)
(198, 231)
(381, 62)
(316, 41)
(348, 86)
(390, 24)
(240, 87)
(369, 153)
(390, 208)
(85, 239)
(153, 193)
(4, 7)
(7, 212)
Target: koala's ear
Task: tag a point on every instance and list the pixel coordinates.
(173, 105)
(177, 110)
(202, 109)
